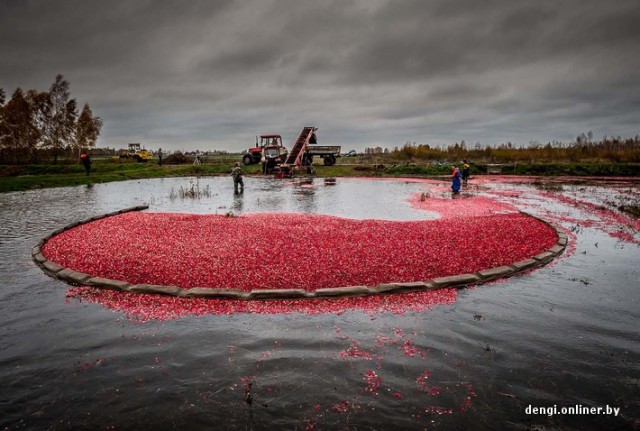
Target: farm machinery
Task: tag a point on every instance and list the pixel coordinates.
(268, 150)
(278, 161)
(136, 152)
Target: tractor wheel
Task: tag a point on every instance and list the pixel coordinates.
(329, 160)
(247, 159)
(138, 158)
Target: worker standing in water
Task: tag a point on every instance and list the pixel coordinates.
(455, 180)
(466, 171)
(236, 173)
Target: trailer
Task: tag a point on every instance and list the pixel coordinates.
(329, 153)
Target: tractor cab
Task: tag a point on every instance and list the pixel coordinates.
(269, 141)
(134, 147)
(273, 152)
(268, 150)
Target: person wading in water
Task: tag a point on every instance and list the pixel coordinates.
(455, 180)
(236, 173)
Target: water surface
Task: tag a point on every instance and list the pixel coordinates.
(562, 335)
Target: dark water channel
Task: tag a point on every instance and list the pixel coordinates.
(563, 335)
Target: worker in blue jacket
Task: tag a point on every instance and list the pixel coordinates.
(455, 179)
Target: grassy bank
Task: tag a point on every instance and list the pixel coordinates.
(430, 169)
(26, 177)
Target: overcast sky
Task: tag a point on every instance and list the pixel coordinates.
(213, 74)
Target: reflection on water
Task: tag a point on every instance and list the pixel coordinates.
(563, 335)
(344, 197)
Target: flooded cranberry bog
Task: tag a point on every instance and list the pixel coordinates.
(563, 334)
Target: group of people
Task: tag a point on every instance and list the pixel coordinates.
(458, 178)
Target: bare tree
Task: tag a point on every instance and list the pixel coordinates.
(63, 114)
(40, 113)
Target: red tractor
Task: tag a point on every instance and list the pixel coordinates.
(268, 150)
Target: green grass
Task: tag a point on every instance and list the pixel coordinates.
(17, 178)
(27, 177)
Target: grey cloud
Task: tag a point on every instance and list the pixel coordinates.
(205, 73)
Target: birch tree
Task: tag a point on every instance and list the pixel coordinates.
(63, 114)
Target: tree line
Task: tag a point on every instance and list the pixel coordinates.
(583, 149)
(37, 124)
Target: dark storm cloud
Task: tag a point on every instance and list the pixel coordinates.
(369, 72)
(415, 40)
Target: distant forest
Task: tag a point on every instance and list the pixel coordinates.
(583, 149)
(39, 125)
